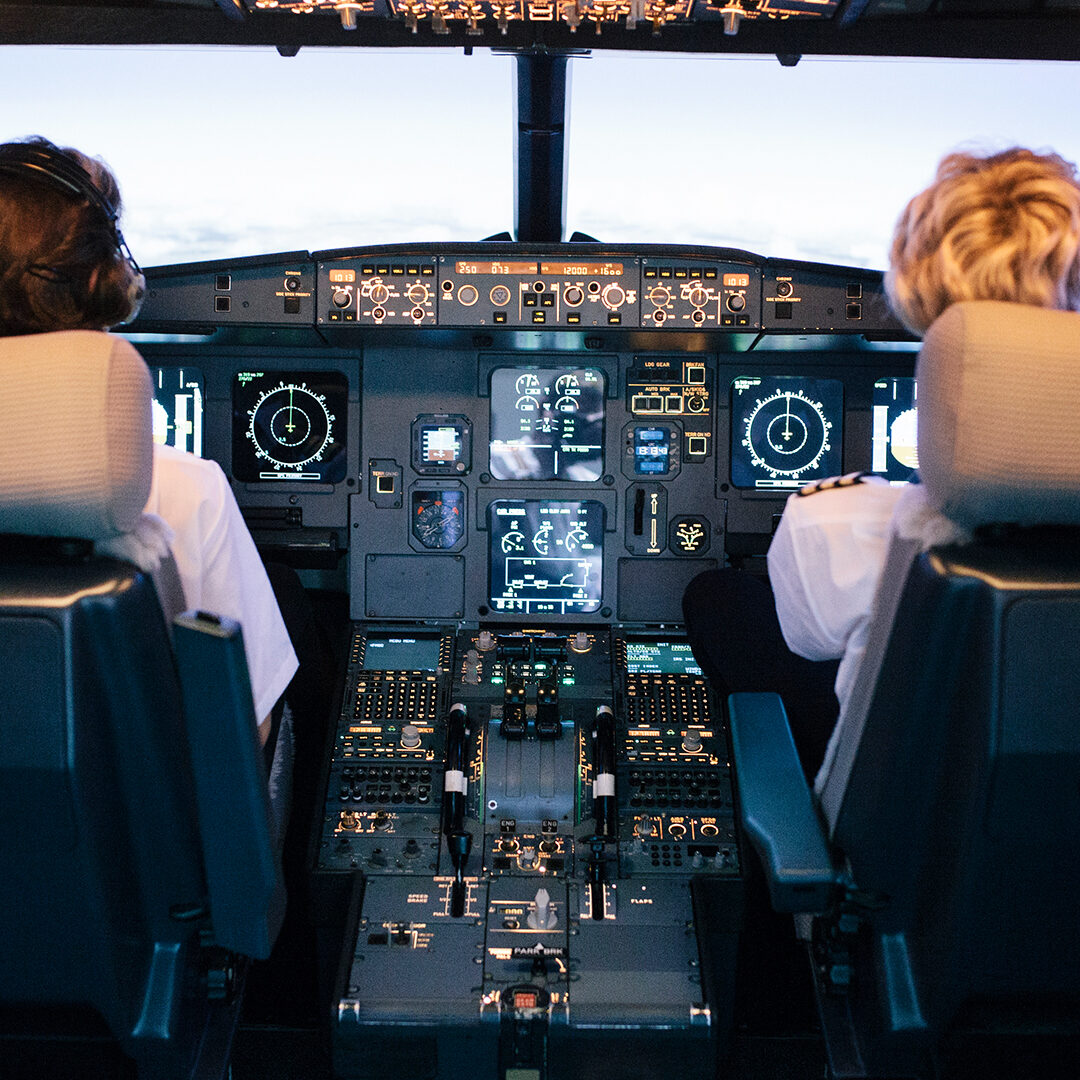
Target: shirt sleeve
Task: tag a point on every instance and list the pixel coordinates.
(220, 568)
(825, 563)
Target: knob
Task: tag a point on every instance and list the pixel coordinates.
(698, 296)
(379, 294)
(659, 295)
(691, 742)
(468, 295)
(613, 296)
(646, 828)
(485, 641)
(784, 288)
(574, 296)
(418, 293)
(500, 295)
(292, 284)
(736, 302)
(410, 736)
(342, 298)
(580, 642)
(528, 859)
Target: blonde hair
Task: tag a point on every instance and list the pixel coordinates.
(999, 227)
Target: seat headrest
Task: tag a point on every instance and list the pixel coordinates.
(76, 437)
(999, 414)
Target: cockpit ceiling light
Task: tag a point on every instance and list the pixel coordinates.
(624, 14)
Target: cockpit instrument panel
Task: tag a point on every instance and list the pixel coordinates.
(546, 555)
(289, 426)
(547, 424)
(785, 430)
(178, 408)
(894, 450)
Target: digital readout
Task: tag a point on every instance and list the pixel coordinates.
(570, 269)
(487, 267)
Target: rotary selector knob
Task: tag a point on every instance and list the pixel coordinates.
(613, 296)
(691, 742)
(699, 297)
(660, 295)
(418, 293)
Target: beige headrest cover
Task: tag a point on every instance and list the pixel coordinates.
(999, 414)
(76, 441)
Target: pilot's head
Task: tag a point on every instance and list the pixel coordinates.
(63, 261)
(1000, 227)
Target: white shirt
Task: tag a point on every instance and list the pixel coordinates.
(220, 569)
(825, 563)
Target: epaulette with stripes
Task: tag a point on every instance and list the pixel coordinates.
(831, 483)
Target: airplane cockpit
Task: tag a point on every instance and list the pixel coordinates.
(529, 839)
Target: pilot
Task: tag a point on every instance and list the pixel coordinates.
(64, 266)
(1004, 226)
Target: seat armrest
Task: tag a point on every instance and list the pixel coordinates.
(776, 807)
(243, 869)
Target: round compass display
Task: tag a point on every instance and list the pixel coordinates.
(785, 431)
(289, 426)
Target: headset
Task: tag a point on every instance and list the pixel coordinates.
(48, 164)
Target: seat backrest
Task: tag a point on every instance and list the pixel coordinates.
(954, 792)
(104, 886)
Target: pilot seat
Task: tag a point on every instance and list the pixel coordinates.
(935, 867)
(139, 864)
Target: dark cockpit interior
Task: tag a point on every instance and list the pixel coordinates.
(516, 849)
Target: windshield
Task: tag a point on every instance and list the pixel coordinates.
(223, 153)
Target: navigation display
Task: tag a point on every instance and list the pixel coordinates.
(894, 449)
(546, 556)
(402, 653)
(178, 408)
(786, 430)
(660, 658)
(547, 423)
(289, 426)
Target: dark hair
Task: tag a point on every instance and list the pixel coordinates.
(60, 267)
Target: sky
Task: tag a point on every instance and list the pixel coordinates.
(225, 153)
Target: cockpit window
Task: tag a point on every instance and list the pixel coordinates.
(223, 152)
